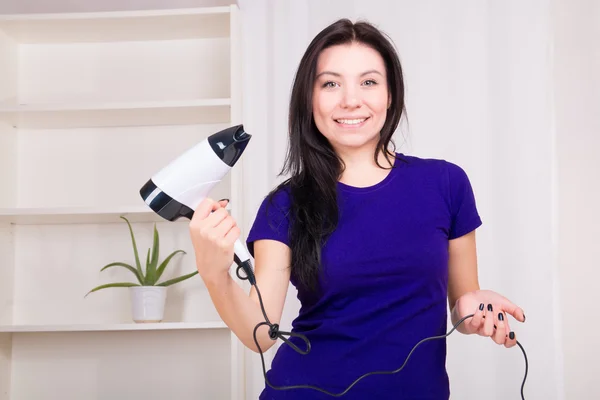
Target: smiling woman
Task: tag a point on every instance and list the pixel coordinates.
(377, 243)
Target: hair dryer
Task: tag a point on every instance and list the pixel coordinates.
(176, 190)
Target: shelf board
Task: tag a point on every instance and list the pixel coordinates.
(77, 215)
(80, 215)
(82, 115)
(208, 22)
(112, 327)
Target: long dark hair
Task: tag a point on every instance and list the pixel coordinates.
(313, 165)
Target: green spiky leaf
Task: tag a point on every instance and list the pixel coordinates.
(164, 264)
(151, 268)
(135, 250)
(177, 280)
(147, 260)
(129, 267)
(147, 263)
(112, 285)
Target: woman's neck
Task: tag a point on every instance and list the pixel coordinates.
(361, 170)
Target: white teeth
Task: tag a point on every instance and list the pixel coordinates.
(350, 121)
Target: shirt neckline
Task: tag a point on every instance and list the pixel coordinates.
(383, 182)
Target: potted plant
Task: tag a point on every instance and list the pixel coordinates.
(148, 297)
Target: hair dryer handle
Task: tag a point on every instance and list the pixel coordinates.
(241, 251)
(242, 259)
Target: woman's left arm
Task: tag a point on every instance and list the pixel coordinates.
(465, 297)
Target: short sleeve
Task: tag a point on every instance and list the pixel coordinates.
(463, 207)
(272, 220)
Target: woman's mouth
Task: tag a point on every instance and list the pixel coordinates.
(351, 122)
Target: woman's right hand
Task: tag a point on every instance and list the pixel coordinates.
(213, 232)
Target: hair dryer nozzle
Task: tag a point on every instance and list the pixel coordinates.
(163, 204)
(230, 143)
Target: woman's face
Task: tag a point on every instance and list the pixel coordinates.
(350, 96)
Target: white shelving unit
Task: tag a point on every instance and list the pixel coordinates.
(91, 106)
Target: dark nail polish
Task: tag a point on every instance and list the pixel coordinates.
(501, 316)
(495, 327)
(511, 335)
(224, 200)
(481, 306)
(523, 317)
(490, 307)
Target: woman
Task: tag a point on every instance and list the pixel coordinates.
(379, 244)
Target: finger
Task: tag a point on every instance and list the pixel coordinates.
(506, 325)
(223, 202)
(224, 226)
(511, 340)
(500, 333)
(216, 217)
(510, 308)
(232, 235)
(508, 334)
(488, 325)
(206, 206)
(519, 314)
(477, 319)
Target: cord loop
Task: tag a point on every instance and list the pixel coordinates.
(274, 331)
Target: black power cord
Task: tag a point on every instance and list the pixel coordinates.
(275, 333)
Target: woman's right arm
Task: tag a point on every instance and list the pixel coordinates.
(214, 233)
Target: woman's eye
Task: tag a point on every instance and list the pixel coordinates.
(370, 82)
(329, 84)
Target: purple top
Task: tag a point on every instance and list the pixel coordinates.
(385, 286)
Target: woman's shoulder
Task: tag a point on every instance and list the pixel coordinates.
(444, 171)
(427, 163)
(280, 195)
(277, 201)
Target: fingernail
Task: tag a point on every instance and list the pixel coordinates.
(481, 306)
(501, 316)
(490, 307)
(511, 335)
(495, 327)
(523, 317)
(227, 200)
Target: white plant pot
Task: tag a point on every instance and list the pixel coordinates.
(148, 303)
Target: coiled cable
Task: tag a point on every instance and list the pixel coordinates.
(275, 333)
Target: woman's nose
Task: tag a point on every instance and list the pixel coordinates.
(350, 99)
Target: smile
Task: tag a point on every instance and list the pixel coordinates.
(351, 122)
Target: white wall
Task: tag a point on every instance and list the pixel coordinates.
(577, 111)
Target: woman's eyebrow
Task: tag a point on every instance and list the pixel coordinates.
(371, 71)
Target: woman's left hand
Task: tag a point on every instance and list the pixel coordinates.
(490, 311)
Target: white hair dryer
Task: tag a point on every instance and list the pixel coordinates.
(178, 189)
